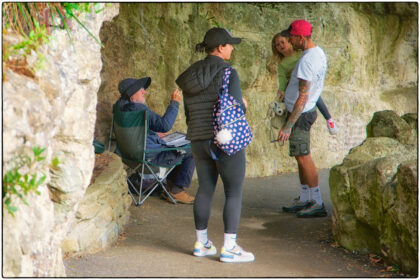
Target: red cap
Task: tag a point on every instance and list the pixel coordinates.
(300, 27)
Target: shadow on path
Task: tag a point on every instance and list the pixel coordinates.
(159, 239)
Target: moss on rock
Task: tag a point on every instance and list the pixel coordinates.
(374, 194)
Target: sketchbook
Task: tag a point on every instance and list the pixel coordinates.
(175, 139)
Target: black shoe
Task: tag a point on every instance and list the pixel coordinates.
(314, 210)
(296, 206)
(135, 180)
(157, 192)
(135, 183)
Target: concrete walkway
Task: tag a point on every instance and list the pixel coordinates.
(159, 239)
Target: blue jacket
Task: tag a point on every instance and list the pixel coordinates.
(156, 122)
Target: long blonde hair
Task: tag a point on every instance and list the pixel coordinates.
(276, 53)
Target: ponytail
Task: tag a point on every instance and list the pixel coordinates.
(200, 47)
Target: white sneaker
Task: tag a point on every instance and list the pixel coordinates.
(237, 254)
(332, 128)
(201, 250)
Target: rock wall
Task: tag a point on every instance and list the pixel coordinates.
(375, 191)
(56, 110)
(103, 210)
(371, 48)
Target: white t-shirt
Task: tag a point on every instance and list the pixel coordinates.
(312, 67)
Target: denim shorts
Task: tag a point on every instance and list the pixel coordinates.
(299, 141)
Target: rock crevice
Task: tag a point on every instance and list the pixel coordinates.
(56, 111)
(374, 192)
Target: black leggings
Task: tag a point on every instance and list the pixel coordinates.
(232, 171)
(323, 108)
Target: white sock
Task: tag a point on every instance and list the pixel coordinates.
(330, 120)
(316, 195)
(202, 236)
(230, 240)
(304, 193)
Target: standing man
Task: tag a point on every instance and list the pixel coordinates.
(301, 95)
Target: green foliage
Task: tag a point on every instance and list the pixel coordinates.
(34, 39)
(212, 20)
(83, 7)
(395, 268)
(23, 178)
(54, 163)
(35, 21)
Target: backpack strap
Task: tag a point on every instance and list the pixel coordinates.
(225, 81)
(215, 155)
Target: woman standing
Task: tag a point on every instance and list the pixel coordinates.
(200, 84)
(288, 58)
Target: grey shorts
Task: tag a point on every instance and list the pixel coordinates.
(300, 137)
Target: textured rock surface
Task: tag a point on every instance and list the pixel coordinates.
(371, 48)
(374, 193)
(389, 124)
(55, 111)
(102, 212)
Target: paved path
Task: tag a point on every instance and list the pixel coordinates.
(159, 238)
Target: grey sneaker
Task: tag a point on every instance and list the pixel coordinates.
(332, 128)
(296, 206)
(313, 210)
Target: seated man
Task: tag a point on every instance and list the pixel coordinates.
(133, 98)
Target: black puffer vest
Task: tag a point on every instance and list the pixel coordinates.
(200, 84)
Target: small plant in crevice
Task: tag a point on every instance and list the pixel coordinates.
(24, 177)
(34, 23)
(212, 20)
(15, 55)
(395, 268)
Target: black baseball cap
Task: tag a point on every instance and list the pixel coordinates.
(128, 87)
(219, 36)
(286, 32)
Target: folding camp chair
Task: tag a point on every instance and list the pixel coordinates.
(130, 130)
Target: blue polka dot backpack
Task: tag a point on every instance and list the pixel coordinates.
(231, 130)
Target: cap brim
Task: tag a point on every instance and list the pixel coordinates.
(235, 41)
(140, 83)
(145, 82)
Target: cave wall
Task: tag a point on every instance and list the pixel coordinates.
(371, 50)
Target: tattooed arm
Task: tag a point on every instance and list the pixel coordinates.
(304, 86)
